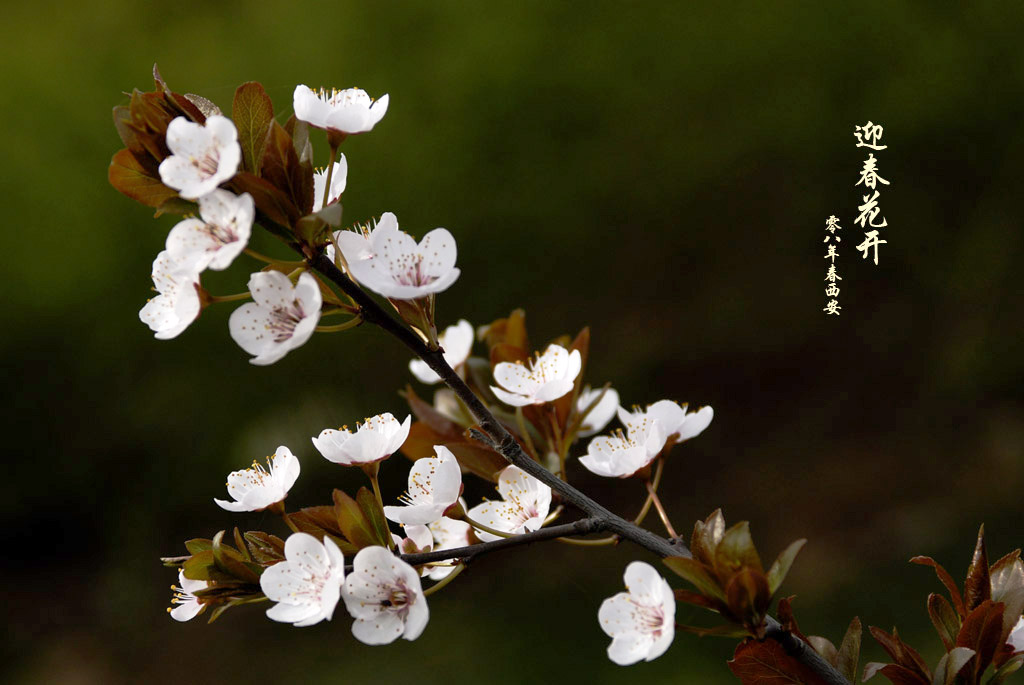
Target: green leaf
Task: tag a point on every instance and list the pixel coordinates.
(197, 545)
(1004, 672)
(374, 514)
(230, 561)
(736, 550)
(353, 523)
(253, 113)
(139, 181)
(243, 549)
(849, 651)
(264, 548)
(697, 574)
(202, 566)
(777, 573)
(706, 536)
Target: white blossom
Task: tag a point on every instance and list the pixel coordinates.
(377, 438)
(1016, 637)
(457, 342)
(544, 379)
(347, 111)
(223, 232)
(202, 156)
(448, 534)
(307, 585)
(178, 304)
(339, 178)
(280, 317)
(434, 486)
(185, 597)
(640, 621)
(389, 262)
(524, 506)
(620, 455)
(677, 424)
(603, 412)
(256, 488)
(384, 596)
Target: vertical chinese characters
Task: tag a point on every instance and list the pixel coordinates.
(832, 290)
(869, 136)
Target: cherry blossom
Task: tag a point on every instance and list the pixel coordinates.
(448, 534)
(435, 484)
(185, 597)
(384, 596)
(178, 304)
(457, 342)
(598, 417)
(677, 424)
(376, 439)
(389, 262)
(640, 621)
(307, 585)
(280, 318)
(417, 539)
(346, 111)
(339, 178)
(220, 236)
(544, 379)
(525, 505)
(256, 488)
(202, 156)
(1016, 637)
(620, 455)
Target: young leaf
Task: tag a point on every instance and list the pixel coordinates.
(766, 663)
(253, 112)
(197, 545)
(824, 647)
(202, 566)
(264, 548)
(736, 550)
(1007, 575)
(374, 515)
(950, 665)
(982, 631)
(777, 573)
(137, 180)
(905, 656)
(947, 580)
(897, 675)
(849, 651)
(978, 586)
(243, 549)
(697, 574)
(697, 599)
(944, 618)
(1004, 672)
(229, 560)
(352, 521)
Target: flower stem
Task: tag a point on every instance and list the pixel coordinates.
(488, 529)
(459, 568)
(599, 542)
(661, 511)
(521, 423)
(261, 257)
(330, 173)
(655, 483)
(230, 298)
(371, 471)
(288, 522)
(337, 328)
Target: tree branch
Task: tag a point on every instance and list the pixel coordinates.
(509, 448)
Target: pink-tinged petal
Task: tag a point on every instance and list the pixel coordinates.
(271, 289)
(335, 558)
(186, 138)
(695, 423)
(515, 378)
(354, 246)
(617, 615)
(248, 326)
(646, 584)
(552, 390)
(293, 613)
(306, 552)
(417, 618)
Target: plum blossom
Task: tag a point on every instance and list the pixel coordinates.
(376, 439)
(640, 621)
(448, 534)
(223, 232)
(280, 318)
(389, 262)
(602, 412)
(185, 597)
(348, 111)
(384, 596)
(307, 584)
(677, 424)
(202, 156)
(457, 342)
(620, 455)
(434, 486)
(1016, 637)
(256, 488)
(525, 505)
(339, 178)
(546, 378)
(178, 304)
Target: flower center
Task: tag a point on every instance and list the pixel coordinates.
(221, 235)
(207, 164)
(649, 619)
(399, 599)
(408, 270)
(283, 321)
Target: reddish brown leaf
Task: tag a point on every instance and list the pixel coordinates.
(903, 654)
(982, 631)
(697, 599)
(978, 586)
(438, 422)
(944, 618)
(787, 619)
(736, 550)
(1007, 575)
(271, 202)
(253, 112)
(947, 580)
(897, 675)
(511, 330)
(137, 180)
(747, 596)
(478, 459)
(503, 352)
(421, 441)
(766, 663)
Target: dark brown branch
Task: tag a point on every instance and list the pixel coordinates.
(507, 446)
(467, 554)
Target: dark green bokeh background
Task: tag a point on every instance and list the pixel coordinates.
(659, 171)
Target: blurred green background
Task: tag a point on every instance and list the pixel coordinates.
(661, 172)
